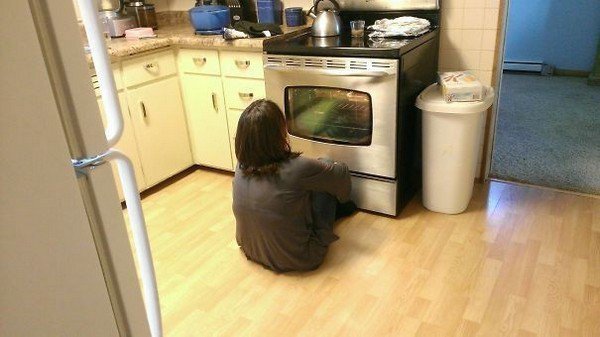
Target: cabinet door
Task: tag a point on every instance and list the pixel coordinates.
(205, 106)
(160, 129)
(126, 145)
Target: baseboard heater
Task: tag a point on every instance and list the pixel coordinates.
(529, 66)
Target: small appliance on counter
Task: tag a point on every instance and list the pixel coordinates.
(143, 13)
(209, 20)
(236, 8)
(294, 16)
(116, 24)
(269, 11)
(236, 12)
(114, 21)
(249, 10)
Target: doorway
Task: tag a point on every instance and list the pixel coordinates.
(547, 129)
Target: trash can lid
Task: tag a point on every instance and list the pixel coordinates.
(431, 100)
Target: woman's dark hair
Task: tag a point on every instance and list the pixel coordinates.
(261, 143)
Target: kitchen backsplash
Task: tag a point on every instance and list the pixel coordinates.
(468, 36)
(170, 18)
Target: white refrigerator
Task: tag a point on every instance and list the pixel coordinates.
(66, 264)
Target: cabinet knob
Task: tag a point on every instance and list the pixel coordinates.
(246, 96)
(242, 64)
(199, 61)
(151, 66)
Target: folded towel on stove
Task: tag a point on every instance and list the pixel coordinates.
(232, 34)
(401, 26)
(258, 29)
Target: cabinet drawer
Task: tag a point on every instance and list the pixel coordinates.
(199, 62)
(146, 68)
(242, 64)
(239, 93)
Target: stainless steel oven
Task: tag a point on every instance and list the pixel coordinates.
(352, 99)
(342, 108)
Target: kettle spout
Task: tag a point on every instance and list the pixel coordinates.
(311, 14)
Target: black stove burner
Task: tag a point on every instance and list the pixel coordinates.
(347, 46)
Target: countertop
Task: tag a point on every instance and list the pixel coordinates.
(182, 35)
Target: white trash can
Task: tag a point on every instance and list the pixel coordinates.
(451, 140)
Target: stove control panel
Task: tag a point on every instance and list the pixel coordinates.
(387, 5)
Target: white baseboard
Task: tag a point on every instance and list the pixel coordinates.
(529, 66)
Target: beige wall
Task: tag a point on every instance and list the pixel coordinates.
(164, 5)
(468, 36)
(468, 42)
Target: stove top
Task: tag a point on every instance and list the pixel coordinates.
(347, 46)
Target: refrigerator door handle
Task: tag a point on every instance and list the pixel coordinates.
(140, 236)
(108, 88)
(138, 229)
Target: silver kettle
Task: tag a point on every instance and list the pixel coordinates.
(326, 22)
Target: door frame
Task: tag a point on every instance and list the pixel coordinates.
(492, 115)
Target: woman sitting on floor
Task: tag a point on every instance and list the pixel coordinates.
(285, 205)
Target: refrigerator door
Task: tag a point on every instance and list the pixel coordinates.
(65, 259)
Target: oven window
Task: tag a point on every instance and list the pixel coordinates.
(330, 115)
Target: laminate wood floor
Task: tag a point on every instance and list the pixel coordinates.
(521, 261)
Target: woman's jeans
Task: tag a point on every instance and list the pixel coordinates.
(323, 212)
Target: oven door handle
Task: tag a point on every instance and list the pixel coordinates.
(334, 72)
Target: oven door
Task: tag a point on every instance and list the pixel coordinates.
(339, 108)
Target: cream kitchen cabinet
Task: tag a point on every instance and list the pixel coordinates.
(240, 92)
(160, 128)
(127, 145)
(243, 84)
(207, 119)
(242, 64)
(155, 135)
(217, 87)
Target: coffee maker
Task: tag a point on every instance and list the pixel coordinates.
(143, 13)
(237, 8)
(113, 19)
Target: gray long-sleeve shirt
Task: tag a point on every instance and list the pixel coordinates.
(274, 218)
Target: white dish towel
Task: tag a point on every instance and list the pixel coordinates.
(401, 26)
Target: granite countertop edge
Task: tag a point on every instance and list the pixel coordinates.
(183, 36)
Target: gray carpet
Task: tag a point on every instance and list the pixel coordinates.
(548, 132)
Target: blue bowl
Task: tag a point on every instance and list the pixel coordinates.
(209, 18)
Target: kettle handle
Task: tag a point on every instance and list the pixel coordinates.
(315, 7)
